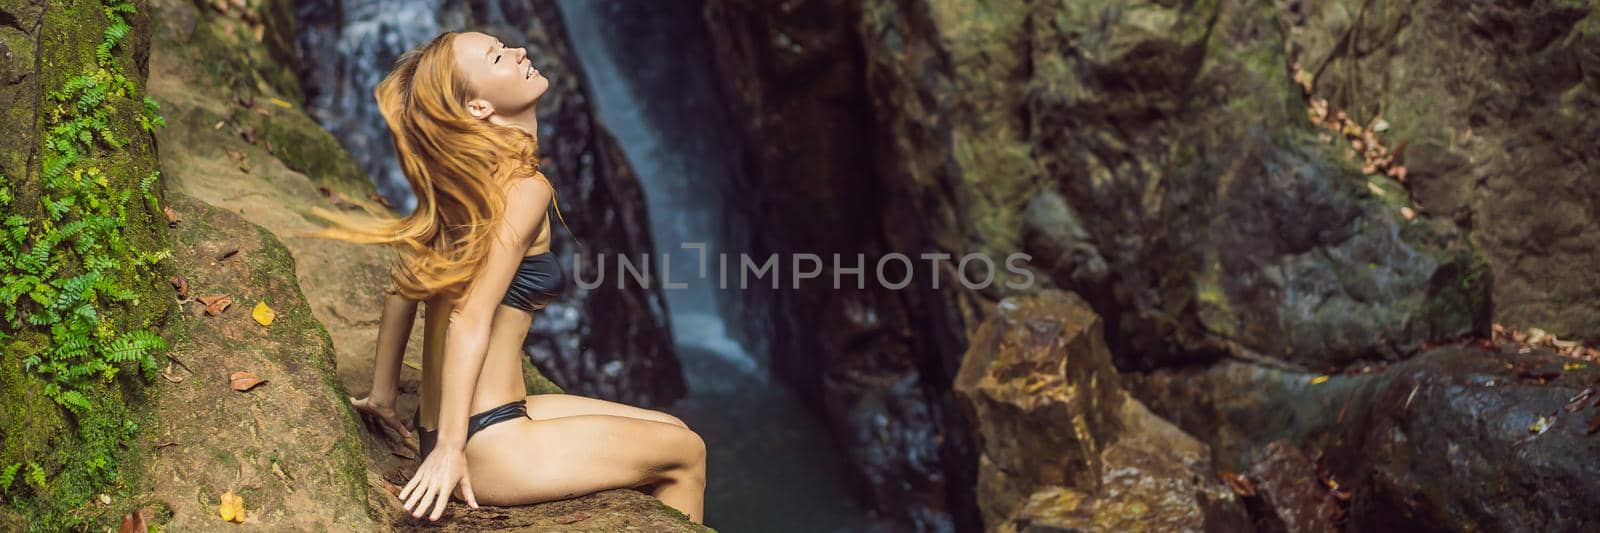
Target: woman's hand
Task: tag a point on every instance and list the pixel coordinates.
(436, 480)
(383, 411)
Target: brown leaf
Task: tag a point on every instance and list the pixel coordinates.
(227, 254)
(391, 488)
(181, 284)
(134, 522)
(172, 216)
(1241, 485)
(243, 380)
(235, 155)
(1594, 424)
(249, 134)
(215, 303)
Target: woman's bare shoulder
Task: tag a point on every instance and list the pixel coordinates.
(532, 186)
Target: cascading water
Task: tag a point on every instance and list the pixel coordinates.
(772, 465)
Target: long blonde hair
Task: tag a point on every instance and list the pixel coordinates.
(452, 161)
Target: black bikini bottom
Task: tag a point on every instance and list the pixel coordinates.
(426, 438)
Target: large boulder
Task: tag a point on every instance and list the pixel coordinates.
(290, 446)
(1459, 437)
(1063, 445)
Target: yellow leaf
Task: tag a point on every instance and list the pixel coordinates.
(280, 103)
(263, 314)
(1319, 380)
(232, 507)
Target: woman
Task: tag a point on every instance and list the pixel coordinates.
(461, 111)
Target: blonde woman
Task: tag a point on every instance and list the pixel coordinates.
(461, 110)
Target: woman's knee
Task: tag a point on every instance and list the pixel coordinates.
(693, 449)
(670, 419)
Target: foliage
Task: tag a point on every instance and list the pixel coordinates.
(67, 270)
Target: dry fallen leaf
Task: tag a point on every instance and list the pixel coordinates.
(134, 522)
(232, 507)
(172, 216)
(181, 284)
(1238, 483)
(215, 303)
(263, 314)
(244, 380)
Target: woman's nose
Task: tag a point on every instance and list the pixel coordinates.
(524, 52)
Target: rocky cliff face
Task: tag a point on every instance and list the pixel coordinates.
(878, 362)
(1157, 158)
(612, 341)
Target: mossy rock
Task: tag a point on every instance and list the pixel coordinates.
(291, 445)
(79, 456)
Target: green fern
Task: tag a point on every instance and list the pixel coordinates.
(61, 270)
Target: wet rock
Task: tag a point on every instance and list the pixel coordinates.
(611, 341)
(1287, 482)
(1495, 142)
(1456, 438)
(1062, 445)
(1055, 235)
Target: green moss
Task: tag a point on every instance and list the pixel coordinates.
(274, 262)
(536, 381)
(85, 272)
(305, 147)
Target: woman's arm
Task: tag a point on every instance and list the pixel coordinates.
(467, 335)
(399, 313)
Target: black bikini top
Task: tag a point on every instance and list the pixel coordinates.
(538, 281)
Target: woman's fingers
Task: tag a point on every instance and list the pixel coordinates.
(427, 498)
(442, 500)
(466, 490)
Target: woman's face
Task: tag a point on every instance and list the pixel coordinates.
(503, 80)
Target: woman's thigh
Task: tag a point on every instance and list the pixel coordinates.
(546, 406)
(527, 461)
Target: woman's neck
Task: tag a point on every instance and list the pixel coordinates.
(527, 121)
